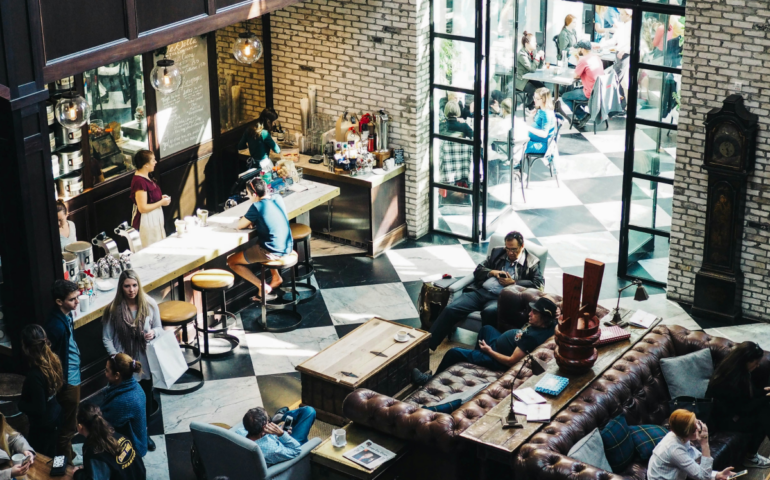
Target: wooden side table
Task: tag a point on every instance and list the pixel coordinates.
(327, 462)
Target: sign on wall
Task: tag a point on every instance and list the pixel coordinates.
(184, 117)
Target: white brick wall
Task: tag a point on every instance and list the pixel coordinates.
(726, 42)
(363, 55)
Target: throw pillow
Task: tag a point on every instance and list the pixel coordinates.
(688, 375)
(618, 445)
(645, 438)
(590, 450)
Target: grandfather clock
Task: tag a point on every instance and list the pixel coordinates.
(731, 133)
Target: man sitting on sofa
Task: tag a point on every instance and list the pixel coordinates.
(509, 265)
(497, 351)
(278, 445)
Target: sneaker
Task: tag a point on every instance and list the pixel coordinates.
(279, 414)
(419, 378)
(77, 460)
(151, 444)
(757, 461)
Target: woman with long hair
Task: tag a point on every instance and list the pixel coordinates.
(106, 455)
(258, 140)
(147, 216)
(740, 405)
(67, 233)
(567, 38)
(11, 443)
(38, 394)
(124, 401)
(527, 62)
(130, 321)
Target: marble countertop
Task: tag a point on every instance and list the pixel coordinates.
(175, 256)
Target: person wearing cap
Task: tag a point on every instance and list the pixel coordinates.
(588, 69)
(500, 351)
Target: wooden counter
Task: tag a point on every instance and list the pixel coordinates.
(175, 256)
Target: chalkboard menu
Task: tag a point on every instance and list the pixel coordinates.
(184, 117)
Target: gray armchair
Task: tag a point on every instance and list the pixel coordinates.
(225, 453)
(473, 321)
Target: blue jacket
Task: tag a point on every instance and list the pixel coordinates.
(58, 333)
(124, 408)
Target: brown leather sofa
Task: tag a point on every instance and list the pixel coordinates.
(406, 420)
(633, 386)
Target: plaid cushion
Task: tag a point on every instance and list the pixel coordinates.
(645, 437)
(618, 445)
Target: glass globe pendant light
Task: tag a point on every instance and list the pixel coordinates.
(247, 49)
(166, 76)
(72, 111)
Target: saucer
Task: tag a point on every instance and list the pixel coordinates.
(395, 337)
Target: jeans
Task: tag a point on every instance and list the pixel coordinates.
(569, 100)
(454, 356)
(478, 300)
(300, 426)
(69, 400)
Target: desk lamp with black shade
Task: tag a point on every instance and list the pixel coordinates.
(640, 295)
(537, 368)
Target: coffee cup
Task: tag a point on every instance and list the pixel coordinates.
(338, 438)
(180, 226)
(203, 217)
(84, 302)
(389, 164)
(18, 458)
(402, 335)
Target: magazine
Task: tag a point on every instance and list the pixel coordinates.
(642, 319)
(537, 412)
(528, 396)
(369, 455)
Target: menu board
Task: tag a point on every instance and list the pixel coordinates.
(184, 117)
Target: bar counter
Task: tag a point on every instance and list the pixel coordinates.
(175, 256)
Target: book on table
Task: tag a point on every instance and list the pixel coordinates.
(551, 384)
(528, 396)
(642, 319)
(537, 412)
(369, 455)
(612, 334)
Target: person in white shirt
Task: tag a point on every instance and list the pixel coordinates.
(621, 40)
(674, 458)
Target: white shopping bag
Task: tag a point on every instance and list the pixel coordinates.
(167, 362)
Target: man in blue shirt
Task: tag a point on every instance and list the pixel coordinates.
(278, 445)
(267, 215)
(61, 333)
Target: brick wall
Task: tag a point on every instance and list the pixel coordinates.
(251, 78)
(728, 41)
(362, 55)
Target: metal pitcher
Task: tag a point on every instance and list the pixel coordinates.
(131, 234)
(107, 244)
(382, 130)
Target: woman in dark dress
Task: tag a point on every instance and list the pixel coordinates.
(38, 394)
(147, 216)
(740, 405)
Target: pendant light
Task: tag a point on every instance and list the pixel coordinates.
(166, 76)
(247, 49)
(72, 111)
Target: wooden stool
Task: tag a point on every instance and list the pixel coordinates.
(287, 262)
(178, 315)
(301, 234)
(214, 280)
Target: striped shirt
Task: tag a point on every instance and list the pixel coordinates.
(675, 459)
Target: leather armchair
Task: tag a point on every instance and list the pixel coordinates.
(225, 453)
(633, 386)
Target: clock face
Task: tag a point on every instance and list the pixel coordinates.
(726, 148)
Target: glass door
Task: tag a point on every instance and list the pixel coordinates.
(653, 113)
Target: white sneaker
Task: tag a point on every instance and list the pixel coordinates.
(77, 461)
(757, 461)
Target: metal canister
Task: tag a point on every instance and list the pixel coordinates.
(66, 83)
(71, 185)
(68, 137)
(72, 265)
(49, 113)
(55, 165)
(70, 159)
(85, 254)
(52, 139)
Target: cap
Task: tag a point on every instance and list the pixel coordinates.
(583, 44)
(544, 305)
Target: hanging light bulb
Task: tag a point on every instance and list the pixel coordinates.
(166, 76)
(247, 49)
(72, 111)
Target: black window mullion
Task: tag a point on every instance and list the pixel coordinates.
(653, 123)
(652, 178)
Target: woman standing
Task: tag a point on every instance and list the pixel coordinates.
(544, 122)
(258, 139)
(106, 454)
(38, 394)
(604, 21)
(124, 401)
(147, 216)
(740, 404)
(567, 38)
(12, 443)
(132, 320)
(527, 61)
(674, 458)
(67, 232)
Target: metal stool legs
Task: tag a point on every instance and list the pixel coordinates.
(309, 271)
(218, 333)
(283, 307)
(198, 374)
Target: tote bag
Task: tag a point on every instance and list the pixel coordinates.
(167, 363)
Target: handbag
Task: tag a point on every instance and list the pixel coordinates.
(701, 407)
(431, 302)
(167, 363)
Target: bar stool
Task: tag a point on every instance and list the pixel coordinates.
(301, 234)
(214, 280)
(178, 315)
(287, 262)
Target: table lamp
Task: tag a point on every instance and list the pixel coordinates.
(537, 368)
(640, 295)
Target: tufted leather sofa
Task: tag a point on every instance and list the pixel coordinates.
(634, 385)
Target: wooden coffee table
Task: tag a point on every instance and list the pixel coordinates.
(368, 357)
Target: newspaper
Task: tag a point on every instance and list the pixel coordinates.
(369, 455)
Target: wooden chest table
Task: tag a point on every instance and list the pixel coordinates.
(368, 357)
